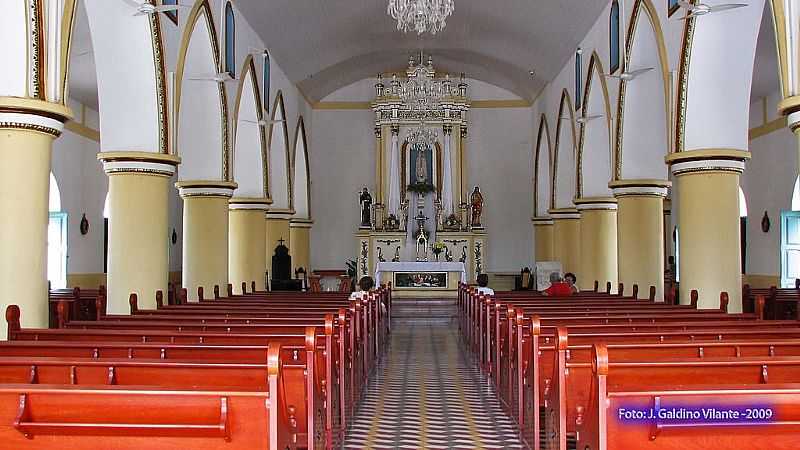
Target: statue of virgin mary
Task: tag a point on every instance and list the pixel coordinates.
(421, 167)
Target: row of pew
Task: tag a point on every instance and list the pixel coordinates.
(254, 371)
(779, 303)
(602, 371)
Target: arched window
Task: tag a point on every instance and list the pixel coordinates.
(796, 195)
(578, 74)
(673, 6)
(266, 81)
(171, 15)
(742, 204)
(790, 240)
(743, 229)
(230, 40)
(614, 37)
(56, 239)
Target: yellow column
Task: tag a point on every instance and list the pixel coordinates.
(640, 234)
(246, 242)
(543, 239)
(598, 242)
(138, 242)
(708, 224)
(27, 131)
(300, 243)
(566, 238)
(205, 235)
(277, 228)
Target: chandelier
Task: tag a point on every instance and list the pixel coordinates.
(421, 135)
(421, 15)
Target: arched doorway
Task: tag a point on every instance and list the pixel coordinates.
(56, 239)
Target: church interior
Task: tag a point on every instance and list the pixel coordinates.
(292, 224)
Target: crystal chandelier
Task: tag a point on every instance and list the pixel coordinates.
(421, 15)
(421, 135)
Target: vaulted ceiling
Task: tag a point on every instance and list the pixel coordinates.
(325, 45)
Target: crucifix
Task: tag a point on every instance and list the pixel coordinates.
(281, 241)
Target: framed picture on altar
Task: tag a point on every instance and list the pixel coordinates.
(420, 280)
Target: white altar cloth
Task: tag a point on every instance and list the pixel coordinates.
(420, 266)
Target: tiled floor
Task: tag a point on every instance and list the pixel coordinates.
(427, 393)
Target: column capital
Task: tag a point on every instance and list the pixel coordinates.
(395, 130)
(564, 213)
(280, 214)
(463, 132)
(447, 129)
(706, 160)
(596, 204)
(537, 221)
(300, 223)
(145, 163)
(640, 187)
(790, 107)
(34, 115)
(249, 203)
(206, 188)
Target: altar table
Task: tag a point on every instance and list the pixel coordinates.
(422, 279)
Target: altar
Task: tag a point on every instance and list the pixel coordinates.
(422, 279)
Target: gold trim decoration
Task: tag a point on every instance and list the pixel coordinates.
(67, 25)
(300, 132)
(161, 83)
(249, 68)
(478, 104)
(206, 188)
(652, 15)
(31, 127)
(146, 163)
(544, 131)
(595, 66)
(683, 84)
(565, 100)
(36, 49)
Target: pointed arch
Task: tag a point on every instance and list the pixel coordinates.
(542, 169)
(613, 37)
(279, 157)
(230, 39)
(301, 173)
(595, 135)
(201, 118)
(643, 122)
(564, 156)
(249, 136)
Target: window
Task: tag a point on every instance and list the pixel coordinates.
(673, 6)
(266, 81)
(790, 247)
(578, 74)
(614, 37)
(230, 40)
(56, 239)
(743, 230)
(106, 216)
(171, 15)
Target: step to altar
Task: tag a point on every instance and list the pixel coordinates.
(412, 311)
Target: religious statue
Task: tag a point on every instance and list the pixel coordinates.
(421, 167)
(365, 199)
(476, 202)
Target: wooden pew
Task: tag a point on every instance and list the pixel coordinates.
(81, 304)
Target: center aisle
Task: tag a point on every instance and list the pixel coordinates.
(427, 393)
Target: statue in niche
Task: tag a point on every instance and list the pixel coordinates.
(476, 202)
(421, 167)
(365, 199)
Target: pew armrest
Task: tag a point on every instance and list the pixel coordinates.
(29, 428)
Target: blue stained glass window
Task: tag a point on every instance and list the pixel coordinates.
(672, 6)
(172, 15)
(614, 37)
(266, 81)
(578, 74)
(230, 40)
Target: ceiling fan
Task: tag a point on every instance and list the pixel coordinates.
(219, 77)
(630, 75)
(263, 122)
(702, 9)
(145, 8)
(582, 119)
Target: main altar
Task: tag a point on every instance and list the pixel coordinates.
(422, 209)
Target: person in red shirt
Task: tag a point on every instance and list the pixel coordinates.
(558, 288)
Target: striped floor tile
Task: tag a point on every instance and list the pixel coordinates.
(427, 393)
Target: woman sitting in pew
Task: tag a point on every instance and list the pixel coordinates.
(558, 288)
(365, 285)
(483, 284)
(572, 281)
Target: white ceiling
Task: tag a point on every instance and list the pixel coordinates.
(82, 72)
(765, 71)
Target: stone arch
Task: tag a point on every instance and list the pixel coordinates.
(131, 78)
(301, 173)
(542, 169)
(713, 92)
(280, 187)
(249, 136)
(643, 111)
(594, 144)
(564, 161)
(202, 117)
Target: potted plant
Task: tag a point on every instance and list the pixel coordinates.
(437, 248)
(420, 188)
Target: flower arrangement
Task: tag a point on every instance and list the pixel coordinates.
(420, 188)
(438, 247)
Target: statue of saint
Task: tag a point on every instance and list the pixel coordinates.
(476, 201)
(421, 167)
(365, 199)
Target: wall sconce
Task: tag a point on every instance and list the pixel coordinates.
(765, 223)
(174, 237)
(84, 227)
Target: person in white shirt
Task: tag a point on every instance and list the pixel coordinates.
(483, 283)
(365, 285)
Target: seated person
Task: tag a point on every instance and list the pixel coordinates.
(572, 280)
(483, 282)
(558, 288)
(365, 285)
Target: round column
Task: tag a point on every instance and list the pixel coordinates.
(27, 131)
(598, 242)
(246, 242)
(300, 243)
(640, 234)
(708, 224)
(542, 239)
(566, 238)
(138, 241)
(205, 235)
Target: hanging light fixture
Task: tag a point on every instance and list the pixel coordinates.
(421, 135)
(421, 15)
(421, 90)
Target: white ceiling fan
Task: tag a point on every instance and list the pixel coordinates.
(702, 9)
(582, 119)
(219, 77)
(264, 122)
(145, 8)
(630, 75)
